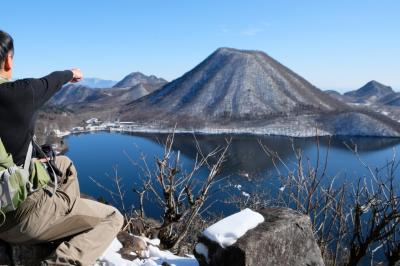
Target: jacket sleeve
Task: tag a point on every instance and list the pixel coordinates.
(44, 88)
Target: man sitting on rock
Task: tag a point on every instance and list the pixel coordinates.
(87, 227)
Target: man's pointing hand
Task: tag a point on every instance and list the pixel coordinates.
(77, 75)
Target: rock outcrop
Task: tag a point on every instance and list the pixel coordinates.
(284, 238)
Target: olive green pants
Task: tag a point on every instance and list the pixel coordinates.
(42, 218)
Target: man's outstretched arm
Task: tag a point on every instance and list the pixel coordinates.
(44, 88)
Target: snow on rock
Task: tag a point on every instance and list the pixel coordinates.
(228, 230)
(155, 256)
(202, 250)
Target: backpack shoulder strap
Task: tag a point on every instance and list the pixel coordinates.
(38, 148)
(28, 157)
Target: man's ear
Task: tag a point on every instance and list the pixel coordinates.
(8, 63)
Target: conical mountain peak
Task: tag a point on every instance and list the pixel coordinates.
(235, 84)
(229, 50)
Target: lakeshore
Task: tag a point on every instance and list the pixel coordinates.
(296, 130)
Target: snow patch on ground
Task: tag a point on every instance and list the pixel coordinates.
(154, 242)
(227, 231)
(111, 257)
(155, 257)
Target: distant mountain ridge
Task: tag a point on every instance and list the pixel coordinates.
(97, 83)
(392, 100)
(79, 94)
(372, 92)
(74, 93)
(136, 78)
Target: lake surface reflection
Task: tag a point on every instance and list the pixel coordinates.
(247, 164)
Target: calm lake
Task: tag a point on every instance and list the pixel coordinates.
(98, 155)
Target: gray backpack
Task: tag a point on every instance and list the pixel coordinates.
(14, 180)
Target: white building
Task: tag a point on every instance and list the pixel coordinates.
(77, 129)
(92, 121)
(60, 133)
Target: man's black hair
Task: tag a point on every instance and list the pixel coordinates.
(6, 46)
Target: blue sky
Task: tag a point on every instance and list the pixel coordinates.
(333, 44)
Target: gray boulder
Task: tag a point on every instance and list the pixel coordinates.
(284, 238)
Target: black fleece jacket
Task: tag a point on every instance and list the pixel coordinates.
(19, 102)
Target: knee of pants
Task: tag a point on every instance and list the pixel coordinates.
(119, 218)
(63, 158)
(63, 163)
